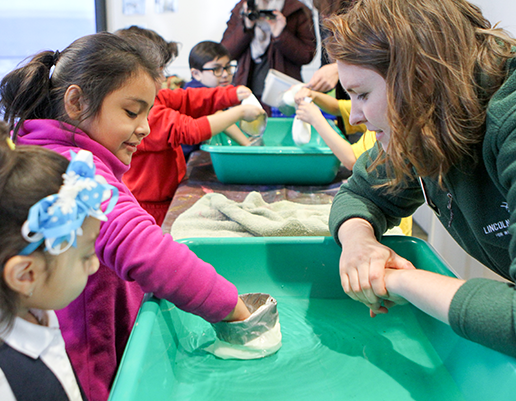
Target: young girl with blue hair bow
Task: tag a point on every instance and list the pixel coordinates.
(48, 230)
(96, 95)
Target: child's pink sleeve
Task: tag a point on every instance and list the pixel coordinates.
(131, 244)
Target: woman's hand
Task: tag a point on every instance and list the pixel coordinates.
(247, 22)
(363, 262)
(277, 24)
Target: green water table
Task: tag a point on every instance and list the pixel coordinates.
(332, 349)
(277, 161)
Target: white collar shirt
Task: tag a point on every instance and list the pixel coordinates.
(45, 342)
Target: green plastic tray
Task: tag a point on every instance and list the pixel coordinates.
(279, 161)
(332, 349)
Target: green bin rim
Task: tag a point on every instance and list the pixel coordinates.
(268, 150)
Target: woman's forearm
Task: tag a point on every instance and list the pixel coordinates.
(353, 228)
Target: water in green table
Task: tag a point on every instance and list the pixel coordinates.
(332, 350)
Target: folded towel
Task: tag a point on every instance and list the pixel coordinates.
(216, 216)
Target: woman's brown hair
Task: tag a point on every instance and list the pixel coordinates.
(442, 62)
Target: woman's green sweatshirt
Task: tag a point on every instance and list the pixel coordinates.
(477, 207)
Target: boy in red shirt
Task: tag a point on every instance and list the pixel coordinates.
(181, 116)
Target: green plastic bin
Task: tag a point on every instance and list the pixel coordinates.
(332, 349)
(278, 161)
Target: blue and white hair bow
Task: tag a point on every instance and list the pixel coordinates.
(58, 218)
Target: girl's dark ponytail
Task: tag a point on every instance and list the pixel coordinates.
(98, 64)
(25, 92)
(6, 159)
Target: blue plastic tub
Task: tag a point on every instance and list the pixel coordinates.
(279, 161)
(332, 350)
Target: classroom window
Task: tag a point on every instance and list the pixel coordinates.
(30, 26)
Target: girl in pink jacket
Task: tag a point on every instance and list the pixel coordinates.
(96, 95)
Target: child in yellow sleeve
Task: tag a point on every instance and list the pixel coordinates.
(347, 153)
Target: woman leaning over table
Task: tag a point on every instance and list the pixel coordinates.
(437, 83)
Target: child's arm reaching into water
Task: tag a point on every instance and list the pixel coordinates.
(225, 121)
(240, 312)
(237, 135)
(310, 113)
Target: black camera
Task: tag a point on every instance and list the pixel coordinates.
(253, 13)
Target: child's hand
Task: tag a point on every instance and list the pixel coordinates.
(250, 112)
(309, 113)
(243, 92)
(239, 313)
(302, 93)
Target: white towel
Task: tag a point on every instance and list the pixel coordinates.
(216, 216)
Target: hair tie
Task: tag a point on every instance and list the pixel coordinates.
(57, 219)
(55, 57)
(10, 143)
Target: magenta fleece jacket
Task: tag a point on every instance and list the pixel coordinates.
(135, 258)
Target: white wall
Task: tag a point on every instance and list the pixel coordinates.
(194, 21)
(198, 20)
(499, 11)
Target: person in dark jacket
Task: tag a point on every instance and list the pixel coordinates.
(283, 40)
